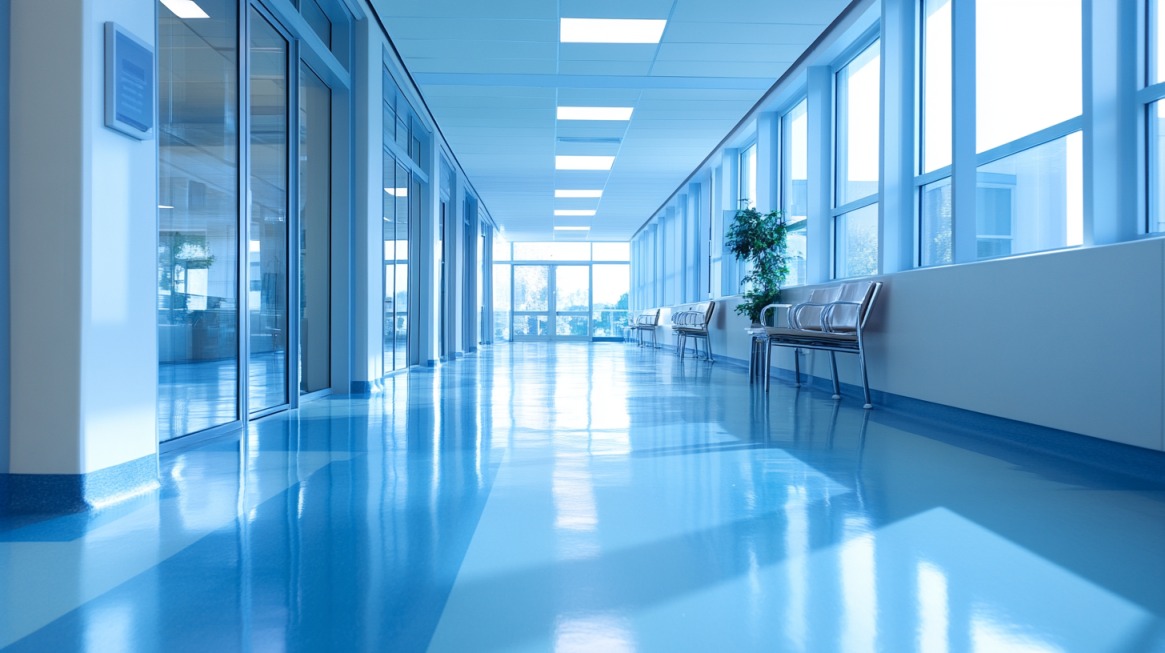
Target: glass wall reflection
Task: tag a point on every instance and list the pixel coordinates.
(315, 164)
(198, 237)
(267, 245)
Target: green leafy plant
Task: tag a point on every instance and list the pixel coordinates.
(759, 239)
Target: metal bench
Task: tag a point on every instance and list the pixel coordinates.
(693, 323)
(833, 320)
(646, 322)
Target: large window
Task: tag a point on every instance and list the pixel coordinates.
(747, 179)
(1154, 97)
(1028, 193)
(857, 138)
(1030, 187)
(795, 189)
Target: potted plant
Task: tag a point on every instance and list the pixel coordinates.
(759, 239)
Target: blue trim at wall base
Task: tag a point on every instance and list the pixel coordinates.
(25, 494)
(1091, 451)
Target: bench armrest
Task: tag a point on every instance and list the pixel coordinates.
(827, 315)
(773, 308)
(688, 319)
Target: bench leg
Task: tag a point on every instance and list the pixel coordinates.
(708, 347)
(833, 368)
(865, 381)
(768, 357)
(797, 367)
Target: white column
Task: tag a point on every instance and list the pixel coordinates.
(766, 162)
(897, 174)
(84, 271)
(367, 305)
(1111, 145)
(964, 177)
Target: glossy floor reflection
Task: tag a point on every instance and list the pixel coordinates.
(577, 497)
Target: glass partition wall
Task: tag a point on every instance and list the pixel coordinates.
(404, 158)
(237, 105)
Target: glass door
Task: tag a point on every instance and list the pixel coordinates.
(315, 243)
(267, 264)
(531, 310)
(552, 302)
(571, 302)
(198, 220)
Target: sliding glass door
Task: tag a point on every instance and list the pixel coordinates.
(315, 228)
(267, 262)
(198, 220)
(245, 155)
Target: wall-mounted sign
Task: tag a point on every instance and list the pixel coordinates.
(129, 83)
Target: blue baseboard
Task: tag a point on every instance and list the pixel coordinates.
(993, 431)
(39, 494)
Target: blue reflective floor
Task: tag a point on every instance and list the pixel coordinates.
(577, 497)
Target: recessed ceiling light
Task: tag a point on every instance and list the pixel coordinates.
(398, 192)
(583, 162)
(595, 113)
(579, 213)
(165, 206)
(607, 30)
(577, 193)
(572, 228)
(185, 8)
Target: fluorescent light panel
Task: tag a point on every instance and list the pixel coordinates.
(610, 30)
(562, 162)
(595, 113)
(397, 192)
(185, 8)
(561, 193)
(572, 228)
(577, 213)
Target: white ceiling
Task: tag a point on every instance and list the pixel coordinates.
(493, 73)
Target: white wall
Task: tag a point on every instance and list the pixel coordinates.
(1071, 339)
(83, 237)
